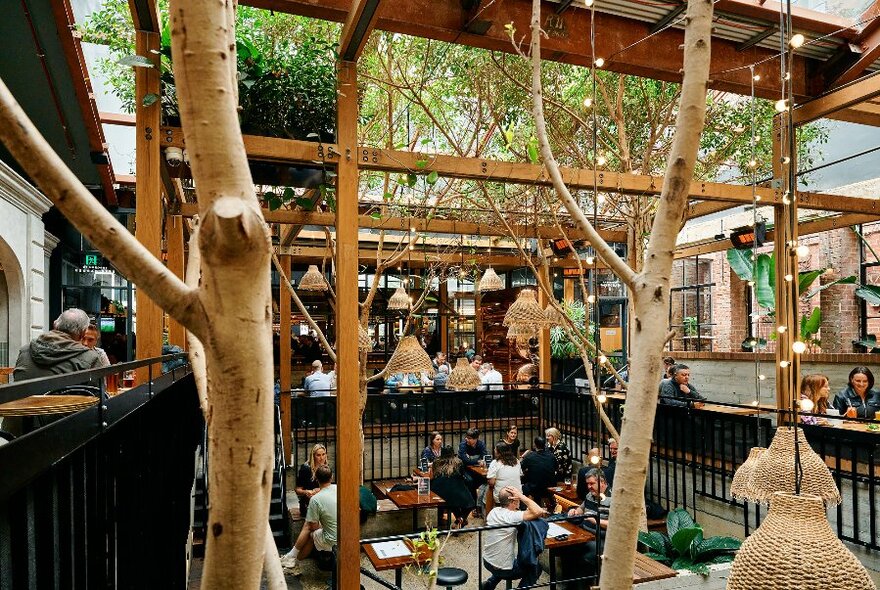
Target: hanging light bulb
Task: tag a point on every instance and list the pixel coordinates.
(756, 77)
(803, 251)
(751, 283)
(588, 3)
(600, 161)
(603, 359)
(786, 201)
(591, 299)
(785, 159)
(797, 40)
(602, 398)
(599, 62)
(806, 405)
(787, 75)
(761, 377)
(589, 260)
(781, 105)
(788, 278)
(784, 364)
(755, 402)
(781, 329)
(753, 163)
(588, 102)
(798, 347)
(594, 459)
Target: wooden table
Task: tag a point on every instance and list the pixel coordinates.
(41, 405)
(576, 536)
(481, 471)
(567, 492)
(737, 410)
(395, 563)
(411, 500)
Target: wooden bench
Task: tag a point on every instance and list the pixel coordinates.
(648, 570)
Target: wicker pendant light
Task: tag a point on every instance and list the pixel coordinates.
(400, 300)
(364, 341)
(521, 333)
(463, 377)
(774, 469)
(739, 488)
(795, 549)
(490, 281)
(553, 316)
(525, 310)
(313, 280)
(410, 357)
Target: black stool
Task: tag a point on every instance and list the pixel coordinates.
(447, 577)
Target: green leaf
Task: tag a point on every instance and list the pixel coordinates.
(763, 284)
(376, 215)
(421, 163)
(305, 203)
(870, 293)
(683, 538)
(806, 278)
(508, 136)
(741, 263)
(149, 99)
(810, 324)
(136, 61)
(432, 177)
(387, 196)
(288, 195)
(274, 203)
(713, 546)
(723, 558)
(850, 280)
(533, 150)
(678, 519)
(654, 540)
(657, 557)
(411, 179)
(682, 563)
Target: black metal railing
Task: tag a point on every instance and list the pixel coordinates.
(102, 498)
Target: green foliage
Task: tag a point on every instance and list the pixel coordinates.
(560, 345)
(690, 325)
(683, 547)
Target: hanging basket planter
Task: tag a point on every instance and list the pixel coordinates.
(400, 300)
(521, 333)
(490, 281)
(463, 377)
(313, 280)
(774, 470)
(525, 311)
(364, 342)
(409, 357)
(739, 488)
(795, 549)
(553, 316)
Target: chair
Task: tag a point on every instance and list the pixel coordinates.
(449, 577)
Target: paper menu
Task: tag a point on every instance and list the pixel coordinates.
(390, 549)
(554, 530)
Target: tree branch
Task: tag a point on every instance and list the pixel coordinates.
(196, 349)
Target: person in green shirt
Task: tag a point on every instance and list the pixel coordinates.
(319, 529)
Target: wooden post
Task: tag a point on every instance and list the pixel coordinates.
(174, 246)
(568, 290)
(148, 214)
(348, 456)
(284, 360)
(544, 375)
(442, 311)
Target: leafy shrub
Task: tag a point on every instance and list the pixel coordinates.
(684, 548)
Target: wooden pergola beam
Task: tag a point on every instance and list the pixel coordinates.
(357, 28)
(869, 44)
(702, 208)
(839, 100)
(323, 154)
(438, 226)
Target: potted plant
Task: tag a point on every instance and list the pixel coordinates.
(684, 547)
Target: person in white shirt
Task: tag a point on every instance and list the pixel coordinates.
(499, 545)
(492, 379)
(318, 384)
(504, 471)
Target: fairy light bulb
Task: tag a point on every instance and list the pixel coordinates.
(802, 251)
(588, 102)
(781, 329)
(594, 459)
(785, 159)
(784, 364)
(806, 405)
(412, 246)
(589, 260)
(786, 201)
(787, 75)
(798, 347)
(588, 3)
(788, 278)
(412, 230)
(601, 398)
(600, 161)
(751, 283)
(755, 403)
(603, 359)
(781, 105)
(762, 377)
(796, 41)
(757, 198)
(599, 62)
(753, 163)
(756, 77)
(591, 299)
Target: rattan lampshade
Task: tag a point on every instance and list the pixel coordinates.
(400, 300)
(795, 549)
(521, 333)
(525, 311)
(774, 470)
(410, 357)
(364, 342)
(463, 377)
(313, 280)
(490, 281)
(552, 316)
(739, 488)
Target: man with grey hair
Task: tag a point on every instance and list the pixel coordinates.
(499, 545)
(58, 351)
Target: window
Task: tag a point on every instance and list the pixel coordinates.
(869, 326)
(690, 304)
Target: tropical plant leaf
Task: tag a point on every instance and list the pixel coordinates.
(683, 538)
(656, 541)
(870, 293)
(723, 558)
(764, 280)
(850, 280)
(810, 324)
(150, 99)
(136, 61)
(421, 163)
(411, 179)
(807, 278)
(678, 519)
(376, 215)
(432, 177)
(741, 263)
(682, 563)
(712, 546)
(288, 194)
(658, 557)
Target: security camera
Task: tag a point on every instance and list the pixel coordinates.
(174, 156)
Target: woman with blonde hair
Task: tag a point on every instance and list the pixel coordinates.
(306, 482)
(815, 388)
(560, 452)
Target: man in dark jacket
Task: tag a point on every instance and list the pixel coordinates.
(539, 470)
(678, 390)
(58, 351)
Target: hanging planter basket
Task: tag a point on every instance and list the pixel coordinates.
(490, 281)
(739, 488)
(521, 333)
(313, 280)
(410, 357)
(463, 377)
(400, 300)
(795, 549)
(553, 316)
(525, 311)
(364, 341)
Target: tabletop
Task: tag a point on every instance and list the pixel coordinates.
(390, 563)
(40, 405)
(567, 492)
(481, 471)
(411, 499)
(576, 536)
(737, 410)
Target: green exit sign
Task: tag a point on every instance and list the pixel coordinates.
(93, 259)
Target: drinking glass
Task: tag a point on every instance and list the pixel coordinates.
(128, 379)
(568, 482)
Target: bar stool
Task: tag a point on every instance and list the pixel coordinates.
(448, 577)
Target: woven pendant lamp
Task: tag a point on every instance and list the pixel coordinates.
(490, 281)
(553, 316)
(313, 280)
(400, 300)
(795, 549)
(774, 470)
(521, 333)
(463, 377)
(410, 357)
(525, 310)
(739, 488)
(364, 342)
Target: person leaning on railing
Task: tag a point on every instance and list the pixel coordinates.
(858, 399)
(59, 351)
(678, 390)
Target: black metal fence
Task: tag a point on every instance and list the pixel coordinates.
(102, 498)
(694, 456)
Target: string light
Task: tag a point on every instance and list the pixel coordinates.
(762, 377)
(594, 459)
(601, 398)
(788, 278)
(755, 403)
(756, 77)
(588, 102)
(603, 359)
(784, 364)
(412, 229)
(591, 299)
(753, 163)
(803, 251)
(599, 62)
(786, 200)
(589, 260)
(781, 105)
(785, 159)
(600, 161)
(588, 3)
(806, 405)
(798, 347)
(781, 329)
(797, 40)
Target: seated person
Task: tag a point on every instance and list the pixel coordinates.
(318, 383)
(561, 452)
(607, 471)
(306, 480)
(510, 437)
(815, 389)
(678, 390)
(447, 481)
(398, 380)
(319, 528)
(440, 378)
(505, 471)
(472, 451)
(539, 470)
(433, 449)
(499, 545)
(859, 399)
(582, 560)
